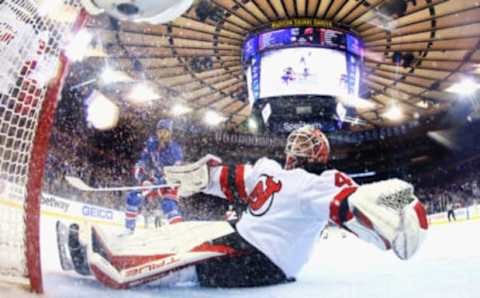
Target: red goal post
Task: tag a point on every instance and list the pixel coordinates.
(33, 37)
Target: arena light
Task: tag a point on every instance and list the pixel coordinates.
(341, 111)
(110, 76)
(465, 87)
(77, 48)
(180, 109)
(102, 112)
(212, 118)
(142, 93)
(252, 125)
(358, 103)
(393, 113)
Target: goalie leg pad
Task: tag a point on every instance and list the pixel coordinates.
(123, 265)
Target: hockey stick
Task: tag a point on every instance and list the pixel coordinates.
(79, 184)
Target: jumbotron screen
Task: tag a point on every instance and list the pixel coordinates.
(302, 61)
(305, 71)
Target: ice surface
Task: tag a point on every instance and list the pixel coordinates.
(448, 265)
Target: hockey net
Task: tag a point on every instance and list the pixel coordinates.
(33, 37)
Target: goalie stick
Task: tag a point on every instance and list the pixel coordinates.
(79, 184)
(190, 178)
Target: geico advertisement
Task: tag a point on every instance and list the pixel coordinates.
(56, 204)
(97, 212)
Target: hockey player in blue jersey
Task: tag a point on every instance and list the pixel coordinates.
(160, 150)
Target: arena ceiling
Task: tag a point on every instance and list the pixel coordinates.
(436, 43)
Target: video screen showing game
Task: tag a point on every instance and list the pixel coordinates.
(307, 71)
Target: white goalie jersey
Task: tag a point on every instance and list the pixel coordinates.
(286, 209)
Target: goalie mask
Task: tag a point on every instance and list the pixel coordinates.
(306, 145)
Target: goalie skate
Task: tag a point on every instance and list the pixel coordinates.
(71, 250)
(62, 245)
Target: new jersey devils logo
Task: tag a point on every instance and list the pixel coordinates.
(261, 198)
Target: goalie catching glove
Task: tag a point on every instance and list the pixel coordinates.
(385, 213)
(192, 177)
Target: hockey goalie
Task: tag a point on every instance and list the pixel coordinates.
(284, 211)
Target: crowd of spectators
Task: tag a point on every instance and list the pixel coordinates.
(457, 184)
(72, 155)
(66, 156)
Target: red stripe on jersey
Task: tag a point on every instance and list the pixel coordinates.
(169, 192)
(224, 184)
(337, 201)
(240, 182)
(175, 220)
(131, 214)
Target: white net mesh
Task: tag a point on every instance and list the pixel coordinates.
(33, 35)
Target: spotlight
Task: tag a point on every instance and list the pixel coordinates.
(102, 112)
(77, 48)
(252, 125)
(212, 118)
(341, 111)
(180, 109)
(465, 87)
(142, 93)
(110, 76)
(394, 113)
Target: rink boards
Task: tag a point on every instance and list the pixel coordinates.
(69, 210)
(461, 214)
(62, 208)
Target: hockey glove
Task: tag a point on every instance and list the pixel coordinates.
(385, 213)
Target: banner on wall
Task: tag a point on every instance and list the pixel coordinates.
(248, 140)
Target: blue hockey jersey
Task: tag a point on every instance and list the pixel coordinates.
(153, 159)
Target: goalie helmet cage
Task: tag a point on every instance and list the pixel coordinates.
(33, 38)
